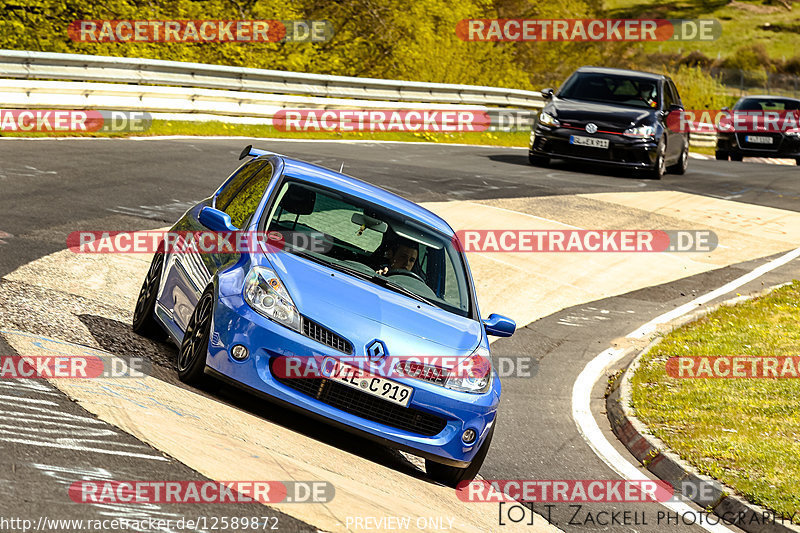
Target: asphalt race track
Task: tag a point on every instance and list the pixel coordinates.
(49, 188)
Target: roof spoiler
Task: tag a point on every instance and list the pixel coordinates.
(249, 151)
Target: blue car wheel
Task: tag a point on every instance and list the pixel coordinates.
(192, 355)
(144, 323)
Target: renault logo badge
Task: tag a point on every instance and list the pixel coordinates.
(376, 350)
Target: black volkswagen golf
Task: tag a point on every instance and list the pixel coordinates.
(612, 116)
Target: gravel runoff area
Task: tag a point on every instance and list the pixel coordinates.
(81, 321)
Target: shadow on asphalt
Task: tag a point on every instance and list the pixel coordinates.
(118, 338)
(569, 166)
(514, 159)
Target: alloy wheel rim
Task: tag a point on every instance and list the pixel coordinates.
(148, 286)
(195, 331)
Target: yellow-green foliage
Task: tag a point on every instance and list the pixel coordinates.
(699, 90)
(392, 39)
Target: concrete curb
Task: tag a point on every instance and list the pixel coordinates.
(655, 455)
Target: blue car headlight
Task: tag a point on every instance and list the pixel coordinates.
(473, 374)
(265, 293)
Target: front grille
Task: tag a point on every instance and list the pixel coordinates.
(418, 370)
(581, 125)
(367, 406)
(325, 336)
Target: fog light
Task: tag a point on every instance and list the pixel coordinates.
(239, 352)
(469, 436)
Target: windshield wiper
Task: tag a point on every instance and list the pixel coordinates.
(377, 279)
(383, 282)
(335, 266)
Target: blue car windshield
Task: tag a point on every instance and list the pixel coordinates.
(611, 89)
(371, 242)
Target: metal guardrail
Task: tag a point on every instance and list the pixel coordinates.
(196, 89)
(76, 67)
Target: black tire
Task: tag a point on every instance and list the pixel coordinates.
(192, 355)
(680, 167)
(659, 168)
(144, 321)
(451, 476)
(721, 155)
(736, 156)
(538, 160)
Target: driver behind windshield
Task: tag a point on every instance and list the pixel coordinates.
(648, 93)
(401, 256)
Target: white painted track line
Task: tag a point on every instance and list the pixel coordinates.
(597, 367)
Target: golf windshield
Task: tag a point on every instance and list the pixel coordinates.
(767, 104)
(611, 89)
(372, 243)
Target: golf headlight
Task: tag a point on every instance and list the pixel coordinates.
(548, 120)
(265, 293)
(793, 132)
(473, 374)
(640, 132)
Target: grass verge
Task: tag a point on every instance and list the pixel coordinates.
(171, 127)
(743, 22)
(743, 432)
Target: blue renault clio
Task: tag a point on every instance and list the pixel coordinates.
(382, 278)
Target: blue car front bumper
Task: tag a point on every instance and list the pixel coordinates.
(235, 322)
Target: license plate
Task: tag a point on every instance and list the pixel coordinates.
(594, 142)
(757, 139)
(364, 381)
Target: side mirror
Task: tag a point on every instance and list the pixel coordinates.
(499, 326)
(547, 94)
(726, 108)
(675, 107)
(216, 220)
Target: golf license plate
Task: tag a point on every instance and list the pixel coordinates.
(364, 381)
(594, 142)
(758, 139)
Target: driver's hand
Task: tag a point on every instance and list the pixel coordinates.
(382, 271)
